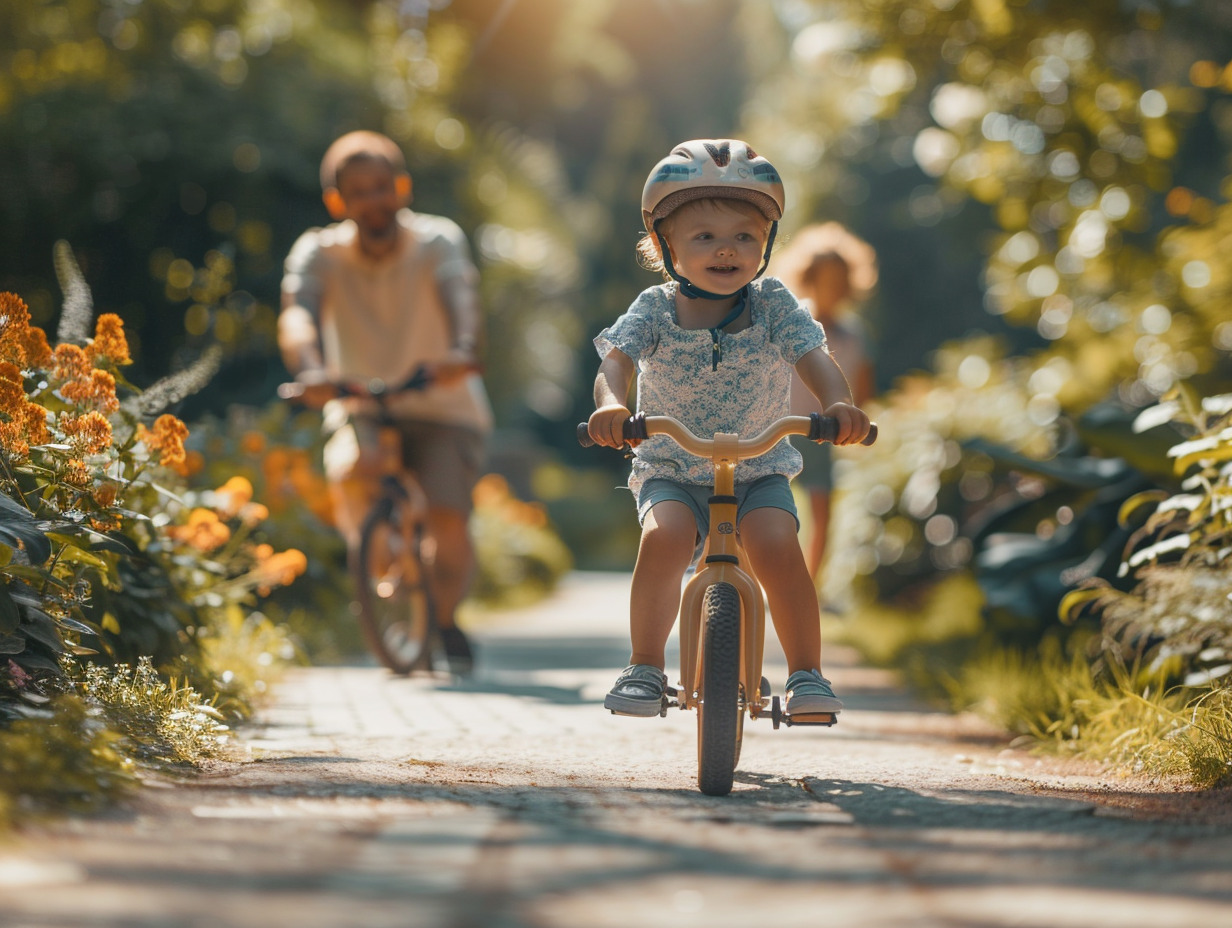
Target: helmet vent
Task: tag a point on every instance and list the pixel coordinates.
(720, 154)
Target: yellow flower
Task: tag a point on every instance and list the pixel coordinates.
(109, 343)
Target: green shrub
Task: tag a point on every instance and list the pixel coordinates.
(62, 758)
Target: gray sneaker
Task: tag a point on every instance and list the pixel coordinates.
(637, 691)
(808, 692)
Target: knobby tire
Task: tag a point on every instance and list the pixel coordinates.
(718, 712)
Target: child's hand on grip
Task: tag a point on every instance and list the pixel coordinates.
(853, 423)
(606, 425)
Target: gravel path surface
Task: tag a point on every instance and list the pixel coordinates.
(513, 800)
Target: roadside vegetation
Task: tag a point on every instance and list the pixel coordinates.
(1073, 160)
(147, 576)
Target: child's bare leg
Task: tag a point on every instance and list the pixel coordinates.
(669, 533)
(819, 506)
(769, 537)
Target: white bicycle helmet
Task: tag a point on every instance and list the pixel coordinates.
(717, 168)
(710, 169)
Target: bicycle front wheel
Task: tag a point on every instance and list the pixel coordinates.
(718, 710)
(396, 609)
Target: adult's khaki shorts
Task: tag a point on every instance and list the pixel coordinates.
(445, 459)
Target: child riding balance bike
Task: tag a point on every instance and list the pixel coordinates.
(714, 348)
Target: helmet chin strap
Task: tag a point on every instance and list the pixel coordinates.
(690, 290)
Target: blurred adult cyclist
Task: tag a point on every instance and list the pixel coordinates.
(375, 295)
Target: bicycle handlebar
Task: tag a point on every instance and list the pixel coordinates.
(420, 379)
(815, 427)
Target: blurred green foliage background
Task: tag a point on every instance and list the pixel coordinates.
(1044, 183)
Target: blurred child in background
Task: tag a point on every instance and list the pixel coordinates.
(832, 272)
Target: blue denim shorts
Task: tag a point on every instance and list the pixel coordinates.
(772, 492)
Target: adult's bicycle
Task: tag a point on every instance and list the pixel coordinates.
(392, 564)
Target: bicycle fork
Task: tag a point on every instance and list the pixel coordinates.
(721, 564)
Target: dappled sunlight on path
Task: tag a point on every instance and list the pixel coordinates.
(512, 799)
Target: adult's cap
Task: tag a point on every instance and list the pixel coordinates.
(711, 168)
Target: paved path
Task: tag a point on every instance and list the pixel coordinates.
(513, 801)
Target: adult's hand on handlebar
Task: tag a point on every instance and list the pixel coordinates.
(311, 388)
(853, 423)
(606, 425)
(459, 364)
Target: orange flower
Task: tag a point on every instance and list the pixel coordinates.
(97, 389)
(278, 568)
(232, 496)
(12, 391)
(34, 418)
(203, 531)
(38, 352)
(14, 323)
(12, 441)
(88, 434)
(166, 437)
(76, 473)
(70, 363)
(193, 463)
(109, 342)
(252, 443)
(490, 490)
(252, 513)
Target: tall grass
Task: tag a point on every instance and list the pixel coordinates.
(1125, 717)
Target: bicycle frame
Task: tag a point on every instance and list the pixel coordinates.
(722, 556)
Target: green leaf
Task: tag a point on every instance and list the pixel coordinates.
(73, 625)
(10, 617)
(76, 555)
(42, 628)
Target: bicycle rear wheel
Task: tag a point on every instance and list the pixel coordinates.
(397, 614)
(719, 719)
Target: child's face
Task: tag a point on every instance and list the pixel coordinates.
(827, 286)
(718, 248)
(368, 188)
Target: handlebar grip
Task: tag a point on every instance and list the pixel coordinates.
(632, 429)
(825, 428)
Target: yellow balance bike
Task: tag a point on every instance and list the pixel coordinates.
(722, 612)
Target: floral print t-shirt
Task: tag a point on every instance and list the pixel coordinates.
(750, 388)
